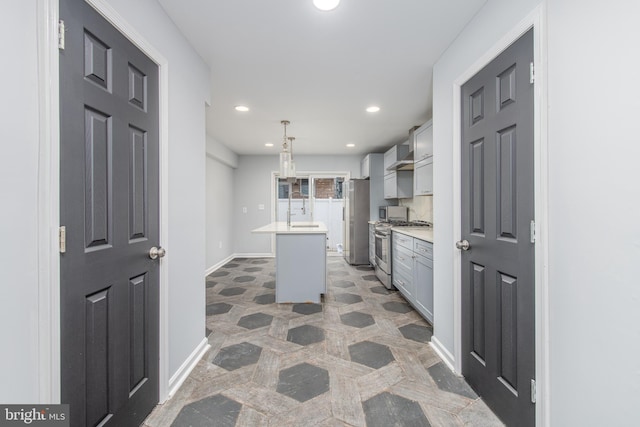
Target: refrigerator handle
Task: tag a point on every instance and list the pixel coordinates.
(343, 213)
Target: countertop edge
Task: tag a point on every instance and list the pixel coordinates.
(417, 232)
(316, 227)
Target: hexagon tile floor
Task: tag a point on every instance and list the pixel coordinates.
(362, 358)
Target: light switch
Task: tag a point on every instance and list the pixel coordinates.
(261, 207)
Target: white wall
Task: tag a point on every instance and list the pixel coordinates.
(593, 223)
(19, 127)
(219, 214)
(252, 186)
(18, 217)
(189, 89)
(594, 211)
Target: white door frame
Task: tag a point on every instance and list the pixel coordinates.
(300, 174)
(49, 194)
(535, 20)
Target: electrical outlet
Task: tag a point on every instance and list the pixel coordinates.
(244, 210)
(261, 207)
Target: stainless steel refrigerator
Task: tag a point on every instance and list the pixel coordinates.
(356, 221)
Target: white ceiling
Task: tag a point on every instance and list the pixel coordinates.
(285, 59)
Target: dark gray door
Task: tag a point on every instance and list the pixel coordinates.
(498, 337)
(109, 175)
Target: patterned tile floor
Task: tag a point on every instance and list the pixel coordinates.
(361, 358)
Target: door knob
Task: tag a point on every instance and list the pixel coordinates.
(157, 252)
(463, 244)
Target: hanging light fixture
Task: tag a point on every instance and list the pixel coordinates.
(292, 168)
(287, 167)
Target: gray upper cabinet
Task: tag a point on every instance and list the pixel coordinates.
(365, 166)
(398, 184)
(423, 177)
(372, 169)
(423, 154)
(423, 142)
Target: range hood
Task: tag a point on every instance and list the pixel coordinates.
(404, 164)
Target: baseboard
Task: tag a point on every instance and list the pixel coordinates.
(444, 354)
(255, 255)
(187, 366)
(213, 268)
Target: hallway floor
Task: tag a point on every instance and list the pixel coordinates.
(362, 358)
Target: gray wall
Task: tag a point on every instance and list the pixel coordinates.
(252, 187)
(594, 232)
(19, 127)
(594, 148)
(221, 163)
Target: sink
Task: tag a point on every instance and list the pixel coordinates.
(304, 226)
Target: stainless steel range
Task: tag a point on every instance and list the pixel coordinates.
(383, 247)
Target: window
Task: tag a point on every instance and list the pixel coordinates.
(299, 188)
(328, 188)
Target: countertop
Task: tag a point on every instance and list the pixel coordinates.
(422, 233)
(315, 227)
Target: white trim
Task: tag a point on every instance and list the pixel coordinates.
(254, 255)
(444, 354)
(48, 204)
(187, 366)
(216, 266)
(536, 20)
(541, 183)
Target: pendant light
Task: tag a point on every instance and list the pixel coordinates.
(287, 167)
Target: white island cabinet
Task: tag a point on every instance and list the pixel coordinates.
(301, 260)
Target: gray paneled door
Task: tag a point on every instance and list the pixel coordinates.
(498, 336)
(109, 174)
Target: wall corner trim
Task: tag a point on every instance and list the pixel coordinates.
(216, 266)
(187, 366)
(444, 354)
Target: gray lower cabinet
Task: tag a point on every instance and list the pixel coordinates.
(412, 272)
(301, 267)
(402, 264)
(423, 276)
(372, 244)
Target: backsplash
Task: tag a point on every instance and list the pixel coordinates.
(420, 208)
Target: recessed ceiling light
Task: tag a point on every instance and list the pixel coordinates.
(373, 109)
(326, 4)
(268, 144)
(351, 145)
(242, 108)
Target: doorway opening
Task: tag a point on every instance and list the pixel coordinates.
(313, 197)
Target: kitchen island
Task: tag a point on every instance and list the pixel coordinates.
(301, 260)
